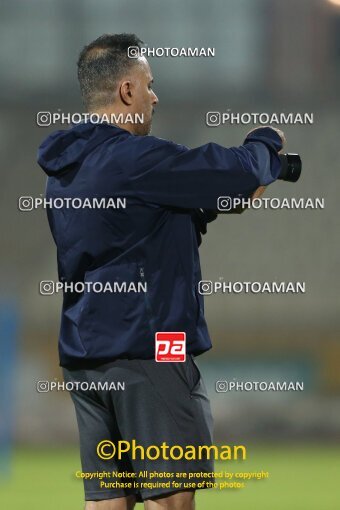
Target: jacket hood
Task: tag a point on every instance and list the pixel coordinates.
(63, 149)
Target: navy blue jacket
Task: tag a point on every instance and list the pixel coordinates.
(169, 190)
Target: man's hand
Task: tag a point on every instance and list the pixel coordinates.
(258, 192)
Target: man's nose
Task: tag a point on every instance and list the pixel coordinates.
(155, 99)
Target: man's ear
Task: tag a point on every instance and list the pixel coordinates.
(125, 92)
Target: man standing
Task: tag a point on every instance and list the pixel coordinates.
(170, 195)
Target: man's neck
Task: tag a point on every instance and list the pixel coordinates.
(116, 117)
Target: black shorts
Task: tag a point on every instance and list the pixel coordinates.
(152, 403)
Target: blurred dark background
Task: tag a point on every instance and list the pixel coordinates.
(271, 56)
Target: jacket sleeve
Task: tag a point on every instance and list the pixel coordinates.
(173, 175)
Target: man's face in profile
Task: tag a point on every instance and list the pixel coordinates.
(144, 98)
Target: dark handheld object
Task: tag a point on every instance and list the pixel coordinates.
(291, 166)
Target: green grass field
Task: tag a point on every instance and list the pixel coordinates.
(301, 478)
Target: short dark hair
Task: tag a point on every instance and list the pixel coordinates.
(101, 63)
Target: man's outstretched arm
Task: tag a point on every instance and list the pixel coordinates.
(173, 175)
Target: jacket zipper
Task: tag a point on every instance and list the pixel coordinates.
(148, 305)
